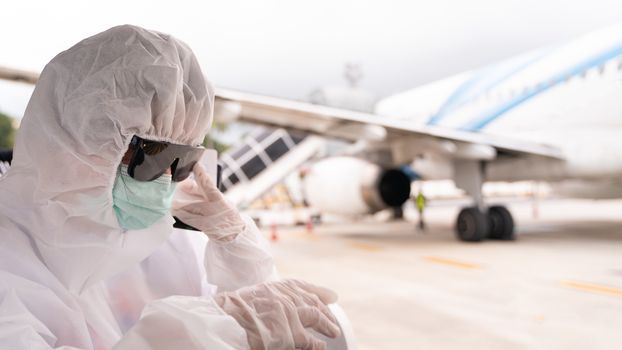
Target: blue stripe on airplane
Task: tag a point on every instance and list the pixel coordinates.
(484, 80)
(452, 100)
(410, 172)
(489, 117)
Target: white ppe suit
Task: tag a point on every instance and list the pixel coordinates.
(70, 277)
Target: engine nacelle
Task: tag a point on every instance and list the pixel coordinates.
(347, 185)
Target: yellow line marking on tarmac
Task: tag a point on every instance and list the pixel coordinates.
(310, 236)
(303, 235)
(594, 288)
(366, 247)
(452, 263)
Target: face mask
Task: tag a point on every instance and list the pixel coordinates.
(139, 204)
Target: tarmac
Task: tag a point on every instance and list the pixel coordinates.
(558, 286)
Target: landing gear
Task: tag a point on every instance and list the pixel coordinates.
(501, 223)
(473, 225)
(479, 222)
(398, 213)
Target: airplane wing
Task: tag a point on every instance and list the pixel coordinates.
(18, 75)
(342, 123)
(335, 122)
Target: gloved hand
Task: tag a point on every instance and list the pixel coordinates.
(199, 203)
(275, 314)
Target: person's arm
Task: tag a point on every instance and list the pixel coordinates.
(33, 317)
(273, 315)
(241, 262)
(237, 255)
(183, 322)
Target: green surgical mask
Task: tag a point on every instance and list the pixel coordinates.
(139, 204)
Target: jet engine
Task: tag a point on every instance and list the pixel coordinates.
(350, 186)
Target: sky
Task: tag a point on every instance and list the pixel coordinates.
(288, 48)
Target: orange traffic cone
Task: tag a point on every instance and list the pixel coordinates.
(274, 236)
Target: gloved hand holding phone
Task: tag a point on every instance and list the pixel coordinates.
(199, 203)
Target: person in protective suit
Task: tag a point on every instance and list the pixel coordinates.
(89, 258)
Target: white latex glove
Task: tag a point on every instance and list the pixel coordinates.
(275, 314)
(199, 203)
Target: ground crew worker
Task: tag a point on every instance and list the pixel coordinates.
(420, 203)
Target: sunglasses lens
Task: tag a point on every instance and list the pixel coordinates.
(150, 169)
(186, 164)
(182, 173)
(152, 159)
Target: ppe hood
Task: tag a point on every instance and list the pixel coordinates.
(88, 103)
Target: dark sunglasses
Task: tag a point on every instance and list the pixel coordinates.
(151, 159)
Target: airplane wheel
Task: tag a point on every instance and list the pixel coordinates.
(472, 225)
(501, 223)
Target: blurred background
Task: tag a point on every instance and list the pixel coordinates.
(364, 137)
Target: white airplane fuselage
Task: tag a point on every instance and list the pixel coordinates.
(568, 96)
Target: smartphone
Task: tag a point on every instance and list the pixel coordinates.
(210, 162)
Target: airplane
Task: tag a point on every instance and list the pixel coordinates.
(548, 115)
